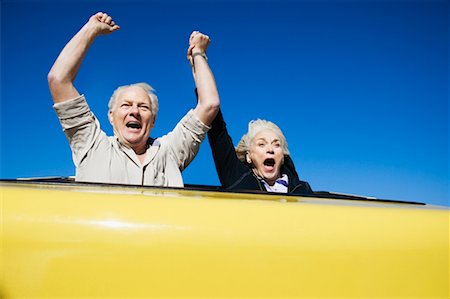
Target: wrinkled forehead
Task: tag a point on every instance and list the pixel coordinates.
(134, 94)
(266, 135)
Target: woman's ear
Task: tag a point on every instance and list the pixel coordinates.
(247, 158)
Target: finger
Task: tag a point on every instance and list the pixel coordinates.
(112, 23)
(104, 17)
(108, 20)
(204, 36)
(194, 33)
(189, 51)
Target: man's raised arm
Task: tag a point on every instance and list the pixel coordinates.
(208, 96)
(66, 66)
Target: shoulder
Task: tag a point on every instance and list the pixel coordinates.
(301, 187)
(246, 181)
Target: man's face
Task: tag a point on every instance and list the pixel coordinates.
(132, 118)
(266, 155)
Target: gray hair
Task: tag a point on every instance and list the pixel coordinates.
(254, 127)
(154, 106)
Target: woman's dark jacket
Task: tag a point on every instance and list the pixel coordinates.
(237, 175)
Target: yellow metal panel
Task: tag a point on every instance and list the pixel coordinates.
(102, 243)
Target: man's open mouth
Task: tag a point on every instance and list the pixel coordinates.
(133, 125)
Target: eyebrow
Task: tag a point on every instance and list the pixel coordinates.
(263, 139)
(132, 101)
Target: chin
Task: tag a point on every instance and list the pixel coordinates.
(134, 139)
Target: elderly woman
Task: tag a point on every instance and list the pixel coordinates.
(261, 160)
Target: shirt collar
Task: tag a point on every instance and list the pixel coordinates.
(281, 185)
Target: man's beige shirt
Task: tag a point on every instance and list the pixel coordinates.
(103, 159)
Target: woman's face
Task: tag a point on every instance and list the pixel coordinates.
(266, 155)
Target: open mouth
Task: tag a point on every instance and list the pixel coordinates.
(269, 162)
(133, 125)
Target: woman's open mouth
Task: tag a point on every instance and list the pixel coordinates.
(269, 164)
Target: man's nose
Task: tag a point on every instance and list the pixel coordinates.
(134, 109)
(269, 148)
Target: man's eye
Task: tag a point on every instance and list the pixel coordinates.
(144, 108)
(125, 105)
(277, 145)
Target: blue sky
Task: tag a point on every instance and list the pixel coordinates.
(360, 88)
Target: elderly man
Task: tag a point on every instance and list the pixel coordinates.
(130, 156)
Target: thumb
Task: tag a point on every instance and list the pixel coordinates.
(114, 28)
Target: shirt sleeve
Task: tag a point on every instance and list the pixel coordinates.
(184, 141)
(80, 126)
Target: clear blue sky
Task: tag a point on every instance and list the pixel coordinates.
(360, 88)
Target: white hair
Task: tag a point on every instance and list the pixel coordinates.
(254, 127)
(154, 106)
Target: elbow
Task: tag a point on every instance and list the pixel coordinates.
(207, 112)
(209, 104)
(214, 105)
(56, 81)
(53, 79)
(60, 86)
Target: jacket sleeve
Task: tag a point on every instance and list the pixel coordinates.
(229, 168)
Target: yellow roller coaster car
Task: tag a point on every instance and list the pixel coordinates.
(62, 239)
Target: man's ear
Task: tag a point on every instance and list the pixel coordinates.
(152, 124)
(110, 117)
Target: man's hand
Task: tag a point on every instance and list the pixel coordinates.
(102, 24)
(198, 43)
(65, 68)
(208, 96)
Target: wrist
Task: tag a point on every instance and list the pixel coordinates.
(91, 31)
(198, 53)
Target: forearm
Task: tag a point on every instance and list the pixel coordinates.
(66, 66)
(208, 96)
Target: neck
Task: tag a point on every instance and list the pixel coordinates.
(140, 150)
(270, 182)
